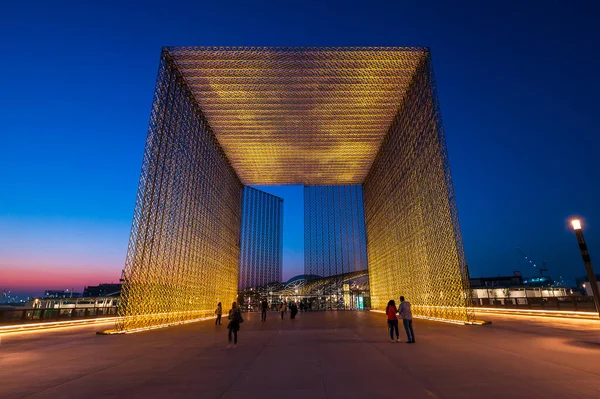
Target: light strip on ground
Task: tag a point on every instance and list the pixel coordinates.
(461, 323)
(55, 324)
(113, 332)
(536, 311)
(59, 328)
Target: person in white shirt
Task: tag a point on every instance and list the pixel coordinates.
(407, 319)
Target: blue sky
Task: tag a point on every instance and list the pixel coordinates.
(517, 84)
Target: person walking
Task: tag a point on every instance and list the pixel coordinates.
(407, 319)
(218, 312)
(392, 320)
(264, 307)
(235, 318)
(283, 308)
(293, 310)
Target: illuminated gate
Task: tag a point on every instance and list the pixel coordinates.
(223, 118)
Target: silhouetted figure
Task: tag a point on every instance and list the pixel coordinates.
(293, 310)
(264, 307)
(235, 319)
(392, 320)
(283, 308)
(407, 320)
(218, 312)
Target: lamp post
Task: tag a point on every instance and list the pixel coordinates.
(587, 261)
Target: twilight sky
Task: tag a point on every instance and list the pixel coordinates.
(518, 88)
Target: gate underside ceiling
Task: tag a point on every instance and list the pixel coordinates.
(310, 116)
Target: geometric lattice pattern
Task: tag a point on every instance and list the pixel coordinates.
(183, 252)
(334, 230)
(310, 116)
(414, 242)
(223, 118)
(261, 251)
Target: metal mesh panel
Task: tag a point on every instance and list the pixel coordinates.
(414, 244)
(183, 252)
(261, 255)
(311, 116)
(334, 230)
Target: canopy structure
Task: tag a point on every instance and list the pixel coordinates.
(310, 116)
(228, 117)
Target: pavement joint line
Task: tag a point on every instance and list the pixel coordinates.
(519, 354)
(396, 364)
(100, 370)
(77, 378)
(228, 388)
(507, 352)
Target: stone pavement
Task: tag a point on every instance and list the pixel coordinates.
(318, 355)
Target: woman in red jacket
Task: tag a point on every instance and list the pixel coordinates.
(392, 320)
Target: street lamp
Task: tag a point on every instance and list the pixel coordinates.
(587, 261)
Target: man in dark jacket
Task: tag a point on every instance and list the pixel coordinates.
(264, 306)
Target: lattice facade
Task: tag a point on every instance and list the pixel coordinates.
(227, 117)
(310, 116)
(261, 254)
(184, 247)
(334, 230)
(414, 242)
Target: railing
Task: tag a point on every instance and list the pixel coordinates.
(567, 303)
(17, 315)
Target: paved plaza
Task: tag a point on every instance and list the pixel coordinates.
(318, 355)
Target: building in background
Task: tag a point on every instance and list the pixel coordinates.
(106, 289)
(516, 291)
(584, 286)
(261, 239)
(334, 230)
(340, 292)
(497, 282)
(61, 294)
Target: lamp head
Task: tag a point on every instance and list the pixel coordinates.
(576, 223)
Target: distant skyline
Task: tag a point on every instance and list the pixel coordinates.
(517, 83)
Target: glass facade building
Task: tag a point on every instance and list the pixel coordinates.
(334, 230)
(261, 246)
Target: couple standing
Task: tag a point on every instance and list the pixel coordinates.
(406, 315)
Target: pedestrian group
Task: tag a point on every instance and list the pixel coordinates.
(235, 319)
(392, 320)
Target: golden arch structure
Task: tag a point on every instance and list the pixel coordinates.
(226, 117)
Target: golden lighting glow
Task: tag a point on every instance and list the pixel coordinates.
(539, 312)
(223, 117)
(576, 224)
(31, 328)
(462, 323)
(312, 116)
(153, 326)
(183, 254)
(413, 237)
